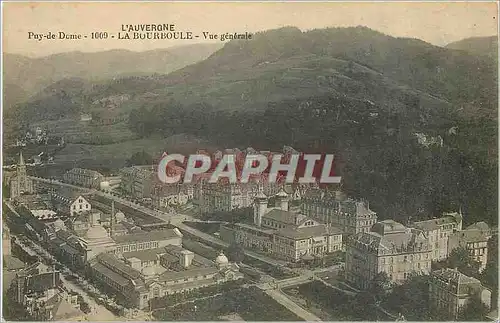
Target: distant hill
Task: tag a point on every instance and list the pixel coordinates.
(487, 46)
(355, 62)
(33, 74)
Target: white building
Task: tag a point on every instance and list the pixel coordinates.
(389, 247)
(437, 231)
(283, 233)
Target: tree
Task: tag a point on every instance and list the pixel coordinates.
(411, 298)
(474, 310)
(380, 286)
(235, 252)
(140, 158)
(489, 276)
(460, 258)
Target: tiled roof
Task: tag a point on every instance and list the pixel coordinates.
(392, 243)
(483, 226)
(199, 248)
(117, 278)
(472, 235)
(283, 216)
(172, 276)
(147, 236)
(463, 282)
(146, 255)
(303, 233)
(42, 282)
(112, 262)
(432, 224)
(388, 226)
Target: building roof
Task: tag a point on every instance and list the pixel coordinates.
(433, 224)
(391, 242)
(387, 227)
(145, 255)
(493, 315)
(250, 227)
(86, 172)
(96, 233)
(199, 248)
(42, 282)
(173, 276)
(147, 236)
(458, 282)
(112, 275)
(286, 217)
(221, 259)
(303, 233)
(483, 226)
(472, 235)
(282, 194)
(111, 261)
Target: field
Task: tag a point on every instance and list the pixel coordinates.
(115, 155)
(77, 132)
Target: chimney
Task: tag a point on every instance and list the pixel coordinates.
(282, 199)
(186, 258)
(112, 220)
(135, 263)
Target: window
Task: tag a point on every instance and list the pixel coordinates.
(80, 206)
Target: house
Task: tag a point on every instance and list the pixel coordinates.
(449, 290)
(475, 240)
(71, 203)
(282, 233)
(438, 230)
(389, 247)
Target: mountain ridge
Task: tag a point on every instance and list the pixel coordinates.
(20, 70)
(484, 46)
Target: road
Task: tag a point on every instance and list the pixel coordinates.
(291, 305)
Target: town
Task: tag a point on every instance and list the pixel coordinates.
(85, 246)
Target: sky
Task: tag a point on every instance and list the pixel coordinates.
(438, 23)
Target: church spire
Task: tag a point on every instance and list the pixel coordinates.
(21, 159)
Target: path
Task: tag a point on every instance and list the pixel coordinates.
(284, 300)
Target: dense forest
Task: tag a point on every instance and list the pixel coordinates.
(378, 154)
